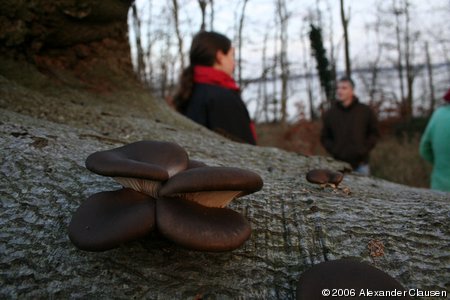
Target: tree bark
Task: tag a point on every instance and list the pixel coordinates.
(83, 39)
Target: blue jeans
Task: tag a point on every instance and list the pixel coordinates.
(363, 169)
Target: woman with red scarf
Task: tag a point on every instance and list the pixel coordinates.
(208, 93)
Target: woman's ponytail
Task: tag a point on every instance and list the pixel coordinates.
(184, 90)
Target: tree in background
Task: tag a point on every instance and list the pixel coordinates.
(140, 64)
(239, 42)
(307, 66)
(370, 78)
(406, 41)
(323, 66)
(283, 18)
(176, 19)
(430, 80)
(203, 4)
(344, 21)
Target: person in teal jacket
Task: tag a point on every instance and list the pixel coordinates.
(435, 146)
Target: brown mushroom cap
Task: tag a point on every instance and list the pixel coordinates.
(344, 274)
(107, 219)
(201, 228)
(336, 177)
(323, 176)
(212, 186)
(140, 165)
(319, 176)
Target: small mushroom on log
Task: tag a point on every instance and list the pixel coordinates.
(324, 177)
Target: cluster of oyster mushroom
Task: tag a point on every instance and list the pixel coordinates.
(184, 200)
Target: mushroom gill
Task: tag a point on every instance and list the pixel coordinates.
(212, 186)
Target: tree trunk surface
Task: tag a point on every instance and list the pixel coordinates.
(54, 114)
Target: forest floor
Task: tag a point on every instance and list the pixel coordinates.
(395, 158)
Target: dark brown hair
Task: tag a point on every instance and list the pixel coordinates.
(348, 79)
(204, 47)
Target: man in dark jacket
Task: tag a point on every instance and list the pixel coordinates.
(350, 128)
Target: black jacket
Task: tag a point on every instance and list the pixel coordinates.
(221, 110)
(349, 133)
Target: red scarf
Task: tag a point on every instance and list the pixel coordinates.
(210, 75)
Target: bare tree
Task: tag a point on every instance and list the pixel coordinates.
(203, 4)
(345, 21)
(140, 65)
(410, 41)
(164, 67)
(275, 61)
(405, 45)
(430, 79)
(322, 63)
(307, 67)
(175, 14)
(240, 42)
(149, 47)
(445, 52)
(397, 12)
(283, 18)
(263, 95)
(373, 62)
(211, 16)
(332, 55)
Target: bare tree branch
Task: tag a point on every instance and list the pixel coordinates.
(202, 4)
(345, 20)
(175, 14)
(240, 42)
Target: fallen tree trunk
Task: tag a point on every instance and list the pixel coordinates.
(295, 224)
